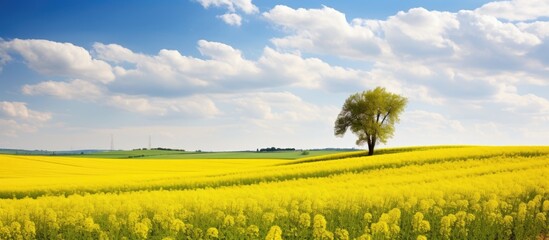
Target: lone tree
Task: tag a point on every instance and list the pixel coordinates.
(371, 115)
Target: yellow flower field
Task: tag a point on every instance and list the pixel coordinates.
(415, 193)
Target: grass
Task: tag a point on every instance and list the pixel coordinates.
(166, 154)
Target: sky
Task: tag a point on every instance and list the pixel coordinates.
(220, 75)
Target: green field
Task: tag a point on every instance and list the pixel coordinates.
(167, 154)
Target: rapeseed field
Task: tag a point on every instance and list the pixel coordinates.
(448, 192)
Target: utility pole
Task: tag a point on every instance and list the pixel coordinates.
(150, 142)
(112, 142)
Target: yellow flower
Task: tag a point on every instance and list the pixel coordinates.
(240, 220)
(421, 237)
(365, 237)
(341, 234)
(268, 218)
(212, 233)
(177, 226)
(446, 224)
(546, 206)
(141, 230)
(521, 213)
(90, 225)
(492, 205)
(508, 226)
(380, 228)
(394, 216)
(540, 218)
(304, 220)
(307, 206)
(15, 230)
(29, 230)
(252, 231)
(319, 226)
(275, 233)
(416, 222)
(228, 221)
(368, 218)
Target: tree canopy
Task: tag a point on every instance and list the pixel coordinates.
(371, 116)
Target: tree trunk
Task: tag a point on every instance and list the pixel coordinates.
(371, 149)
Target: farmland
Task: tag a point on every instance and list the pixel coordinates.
(169, 154)
(446, 192)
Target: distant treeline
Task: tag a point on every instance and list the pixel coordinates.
(46, 152)
(273, 149)
(160, 148)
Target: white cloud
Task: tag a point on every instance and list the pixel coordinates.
(430, 56)
(4, 56)
(116, 53)
(193, 106)
(60, 59)
(310, 73)
(11, 128)
(538, 28)
(489, 129)
(232, 5)
(74, 90)
(275, 106)
(19, 110)
(231, 19)
(225, 68)
(516, 10)
(325, 31)
(420, 32)
(521, 103)
(171, 71)
(232, 58)
(407, 36)
(141, 77)
(16, 117)
(432, 120)
(477, 32)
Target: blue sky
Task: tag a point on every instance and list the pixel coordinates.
(238, 75)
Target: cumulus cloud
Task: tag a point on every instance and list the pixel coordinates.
(407, 36)
(140, 77)
(231, 19)
(419, 32)
(432, 56)
(194, 106)
(170, 71)
(537, 28)
(433, 120)
(275, 106)
(516, 10)
(4, 56)
(325, 31)
(16, 117)
(74, 90)
(232, 5)
(481, 62)
(59, 59)
(521, 103)
(19, 110)
(310, 73)
(224, 68)
(79, 90)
